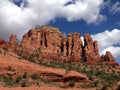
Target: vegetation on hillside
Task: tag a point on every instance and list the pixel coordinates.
(102, 76)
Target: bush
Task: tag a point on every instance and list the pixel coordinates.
(72, 83)
(18, 79)
(23, 84)
(46, 81)
(31, 58)
(91, 77)
(34, 76)
(8, 81)
(25, 75)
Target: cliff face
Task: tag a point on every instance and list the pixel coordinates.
(91, 52)
(49, 43)
(52, 43)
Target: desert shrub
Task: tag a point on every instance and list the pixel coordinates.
(63, 86)
(93, 84)
(82, 60)
(20, 57)
(8, 81)
(34, 76)
(18, 79)
(46, 81)
(1, 79)
(23, 84)
(25, 75)
(72, 83)
(31, 58)
(38, 52)
(91, 77)
(105, 87)
(19, 52)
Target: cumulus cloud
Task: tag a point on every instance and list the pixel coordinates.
(18, 16)
(115, 51)
(109, 41)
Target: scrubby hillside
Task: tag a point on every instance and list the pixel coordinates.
(17, 72)
(47, 58)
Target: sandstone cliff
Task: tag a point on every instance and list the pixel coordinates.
(48, 43)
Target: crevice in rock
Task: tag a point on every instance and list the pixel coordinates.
(72, 45)
(62, 47)
(45, 40)
(67, 46)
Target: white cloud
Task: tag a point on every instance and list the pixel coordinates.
(109, 41)
(115, 51)
(31, 13)
(82, 38)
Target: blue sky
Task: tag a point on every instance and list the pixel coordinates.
(100, 18)
(111, 22)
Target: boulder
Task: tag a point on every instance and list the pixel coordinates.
(73, 75)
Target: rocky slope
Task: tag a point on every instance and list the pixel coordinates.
(19, 74)
(48, 43)
(10, 66)
(13, 69)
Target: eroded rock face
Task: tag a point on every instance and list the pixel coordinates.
(49, 43)
(53, 43)
(74, 45)
(3, 44)
(108, 57)
(47, 38)
(76, 76)
(91, 52)
(13, 42)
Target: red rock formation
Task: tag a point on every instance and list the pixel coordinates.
(48, 39)
(108, 58)
(64, 46)
(91, 52)
(13, 42)
(49, 43)
(3, 44)
(74, 45)
(53, 43)
(73, 75)
(95, 45)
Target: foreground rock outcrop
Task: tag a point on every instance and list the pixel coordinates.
(48, 43)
